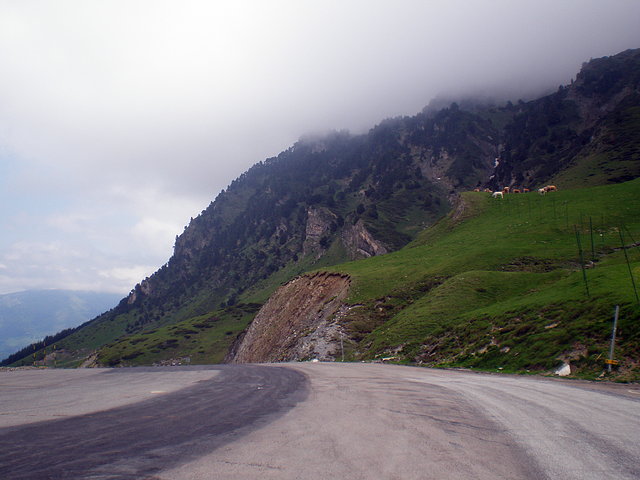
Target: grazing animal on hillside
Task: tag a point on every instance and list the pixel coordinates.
(515, 190)
(548, 188)
(526, 190)
(497, 194)
(476, 189)
(488, 190)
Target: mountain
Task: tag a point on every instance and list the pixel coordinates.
(29, 316)
(525, 283)
(325, 200)
(584, 134)
(339, 197)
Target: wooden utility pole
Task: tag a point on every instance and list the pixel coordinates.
(611, 361)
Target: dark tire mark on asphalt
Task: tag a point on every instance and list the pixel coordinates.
(136, 441)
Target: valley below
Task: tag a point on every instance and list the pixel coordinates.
(313, 420)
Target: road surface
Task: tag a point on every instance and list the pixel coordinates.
(312, 420)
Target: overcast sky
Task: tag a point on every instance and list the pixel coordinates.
(121, 119)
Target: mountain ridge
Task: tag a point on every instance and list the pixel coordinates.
(341, 197)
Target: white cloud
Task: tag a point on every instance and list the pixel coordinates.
(33, 265)
(157, 235)
(127, 276)
(70, 222)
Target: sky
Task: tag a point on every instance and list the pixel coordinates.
(121, 119)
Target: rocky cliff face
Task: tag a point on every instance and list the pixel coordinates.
(299, 322)
(360, 243)
(318, 230)
(461, 150)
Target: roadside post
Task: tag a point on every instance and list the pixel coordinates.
(611, 361)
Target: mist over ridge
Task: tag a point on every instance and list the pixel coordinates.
(116, 129)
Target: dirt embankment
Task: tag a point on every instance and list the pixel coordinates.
(298, 322)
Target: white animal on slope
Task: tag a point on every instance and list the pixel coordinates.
(497, 194)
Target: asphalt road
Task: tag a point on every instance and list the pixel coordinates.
(313, 421)
(137, 440)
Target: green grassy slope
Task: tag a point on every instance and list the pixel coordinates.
(202, 340)
(498, 284)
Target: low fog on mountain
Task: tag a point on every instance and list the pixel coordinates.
(120, 121)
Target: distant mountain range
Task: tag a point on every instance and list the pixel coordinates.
(29, 316)
(340, 197)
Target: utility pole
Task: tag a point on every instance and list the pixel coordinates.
(626, 257)
(584, 273)
(611, 361)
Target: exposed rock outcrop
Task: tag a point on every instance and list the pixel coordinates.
(298, 322)
(318, 227)
(360, 243)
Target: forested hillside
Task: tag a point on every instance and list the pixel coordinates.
(325, 200)
(584, 134)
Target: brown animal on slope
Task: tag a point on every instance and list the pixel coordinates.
(548, 188)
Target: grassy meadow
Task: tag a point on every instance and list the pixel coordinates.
(499, 284)
(204, 339)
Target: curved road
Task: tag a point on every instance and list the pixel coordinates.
(302, 421)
